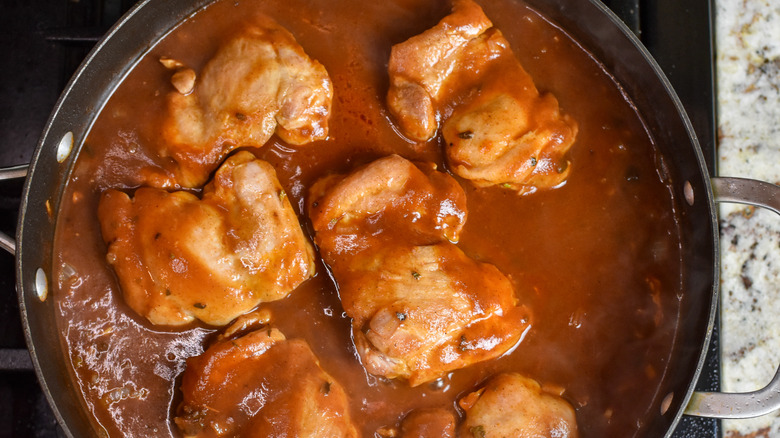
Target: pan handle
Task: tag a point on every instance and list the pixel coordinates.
(7, 242)
(767, 399)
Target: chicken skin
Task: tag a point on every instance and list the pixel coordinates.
(511, 405)
(420, 307)
(258, 83)
(261, 385)
(498, 130)
(179, 258)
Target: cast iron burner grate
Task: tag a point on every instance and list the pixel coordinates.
(42, 42)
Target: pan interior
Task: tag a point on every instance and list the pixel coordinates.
(675, 161)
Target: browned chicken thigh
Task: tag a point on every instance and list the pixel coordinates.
(259, 83)
(511, 405)
(422, 205)
(420, 307)
(261, 385)
(497, 128)
(179, 257)
(420, 66)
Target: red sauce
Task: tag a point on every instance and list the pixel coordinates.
(597, 260)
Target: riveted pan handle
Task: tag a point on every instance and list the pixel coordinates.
(767, 399)
(7, 242)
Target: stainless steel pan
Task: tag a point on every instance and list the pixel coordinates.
(590, 22)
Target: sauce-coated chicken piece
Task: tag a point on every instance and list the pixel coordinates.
(261, 385)
(420, 307)
(258, 83)
(179, 257)
(500, 130)
(423, 205)
(511, 405)
(420, 66)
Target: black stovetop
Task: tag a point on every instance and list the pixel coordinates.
(42, 43)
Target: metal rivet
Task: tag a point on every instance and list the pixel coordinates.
(667, 402)
(65, 147)
(41, 284)
(688, 192)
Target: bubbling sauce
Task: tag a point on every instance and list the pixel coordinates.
(597, 260)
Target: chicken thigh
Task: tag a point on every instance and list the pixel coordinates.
(420, 307)
(179, 257)
(511, 405)
(259, 83)
(421, 65)
(261, 385)
(499, 130)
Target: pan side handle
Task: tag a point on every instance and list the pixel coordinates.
(767, 399)
(7, 242)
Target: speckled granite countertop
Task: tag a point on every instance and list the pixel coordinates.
(748, 74)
